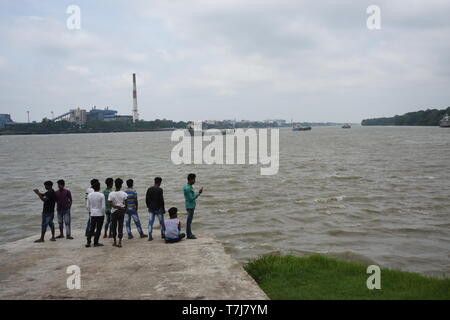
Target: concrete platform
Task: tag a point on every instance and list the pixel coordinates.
(141, 269)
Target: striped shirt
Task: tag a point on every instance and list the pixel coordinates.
(132, 198)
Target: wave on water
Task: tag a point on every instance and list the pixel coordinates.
(345, 177)
(331, 199)
(351, 256)
(232, 181)
(339, 232)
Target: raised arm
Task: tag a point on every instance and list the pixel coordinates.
(190, 195)
(40, 195)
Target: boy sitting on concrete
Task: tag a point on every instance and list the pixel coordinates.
(173, 227)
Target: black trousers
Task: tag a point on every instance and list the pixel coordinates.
(117, 218)
(96, 229)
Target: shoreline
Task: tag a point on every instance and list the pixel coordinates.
(81, 132)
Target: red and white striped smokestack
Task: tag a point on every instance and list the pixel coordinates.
(135, 107)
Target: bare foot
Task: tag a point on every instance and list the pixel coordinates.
(39, 240)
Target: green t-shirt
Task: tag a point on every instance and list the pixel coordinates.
(106, 193)
(190, 196)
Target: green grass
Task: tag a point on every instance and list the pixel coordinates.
(319, 277)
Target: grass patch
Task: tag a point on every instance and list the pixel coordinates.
(319, 277)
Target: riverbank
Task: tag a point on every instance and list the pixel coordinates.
(141, 269)
(319, 277)
(22, 133)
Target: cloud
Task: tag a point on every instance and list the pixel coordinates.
(307, 59)
(83, 71)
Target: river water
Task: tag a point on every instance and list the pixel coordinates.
(371, 194)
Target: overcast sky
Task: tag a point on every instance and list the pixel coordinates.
(225, 59)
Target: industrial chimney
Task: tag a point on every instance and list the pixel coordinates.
(135, 107)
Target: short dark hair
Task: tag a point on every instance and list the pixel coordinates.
(61, 182)
(118, 182)
(130, 183)
(158, 180)
(96, 186)
(48, 183)
(109, 182)
(93, 181)
(191, 176)
(173, 212)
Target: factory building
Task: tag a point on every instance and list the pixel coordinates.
(5, 119)
(99, 114)
(80, 116)
(77, 116)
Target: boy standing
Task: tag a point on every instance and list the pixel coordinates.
(88, 191)
(132, 210)
(96, 203)
(190, 196)
(117, 199)
(155, 204)
(173, 227)
(109, 185)
(63, 205)
(48, 210)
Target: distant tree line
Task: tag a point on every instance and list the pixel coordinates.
(247, 124)
(429, 117)
(95, 126)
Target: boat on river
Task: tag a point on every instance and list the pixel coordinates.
(445, 122)
(301, 128)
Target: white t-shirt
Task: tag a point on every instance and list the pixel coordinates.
(96, 204)
(118, 198)
(88, 191)
(172, 231)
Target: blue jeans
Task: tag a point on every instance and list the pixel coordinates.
(160, 214)
(108, 222)
(189, 219)
(47, 220)
(64, 219)
(132, 213)
(179, 238)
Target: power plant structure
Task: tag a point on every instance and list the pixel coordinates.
(80, 116)
(5, 119)
(135, 106)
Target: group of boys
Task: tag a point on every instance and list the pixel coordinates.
(116, 205)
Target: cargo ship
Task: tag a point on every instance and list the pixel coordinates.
(301, 128)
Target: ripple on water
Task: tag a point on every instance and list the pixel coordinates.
(329, 181)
